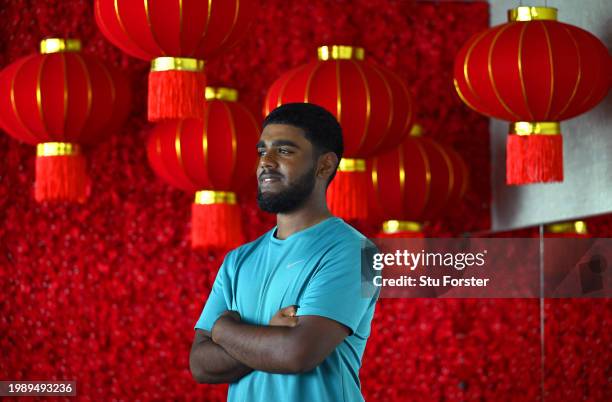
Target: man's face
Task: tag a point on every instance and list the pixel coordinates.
(286, 169)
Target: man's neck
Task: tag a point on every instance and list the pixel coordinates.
(300, 219)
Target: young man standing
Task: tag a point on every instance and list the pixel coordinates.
(286, 320)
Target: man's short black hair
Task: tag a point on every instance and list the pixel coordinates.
(320, 127)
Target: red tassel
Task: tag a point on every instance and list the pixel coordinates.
(61, 178)
(216, 226)
(534, 159)
(347, 195)
(176, 94)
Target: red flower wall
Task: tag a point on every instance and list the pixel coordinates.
(107, 293)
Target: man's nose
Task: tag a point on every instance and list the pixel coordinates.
(267, 161)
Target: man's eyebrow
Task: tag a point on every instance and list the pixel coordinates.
(278, 143)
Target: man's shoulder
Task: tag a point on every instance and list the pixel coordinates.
(345, 232)
(346, 237)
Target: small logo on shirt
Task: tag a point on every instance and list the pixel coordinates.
(294, 263)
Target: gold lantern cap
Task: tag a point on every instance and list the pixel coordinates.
(57, 149)
(527, 13)
(535, 128)
(166, 63)
(207, 197)
(395, 226)
(352, 165)
(58, 45)
(416, 130)
(340, 52)
(221, 93)
(575, 227)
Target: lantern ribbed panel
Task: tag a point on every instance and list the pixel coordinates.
(416, 182)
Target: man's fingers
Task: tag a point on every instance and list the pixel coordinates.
(284, 321)
(289, 311)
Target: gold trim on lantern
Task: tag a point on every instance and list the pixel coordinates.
(394, 226)
(416, 130)
(535, 128)
(526, 13)
(57, 149)
(57, 45)
(337, 52)
(576, 227)
(352, 165)
(177, 64)
(207, 197)
(221, 93)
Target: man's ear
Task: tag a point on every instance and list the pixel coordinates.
(328, 163)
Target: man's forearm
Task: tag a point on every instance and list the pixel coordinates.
(266, 348)
(211, 364)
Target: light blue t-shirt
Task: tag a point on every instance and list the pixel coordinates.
(319, 270)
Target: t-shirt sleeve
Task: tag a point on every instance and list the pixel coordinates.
(219, 299)
(335, 291)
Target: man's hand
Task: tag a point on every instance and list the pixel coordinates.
(229, 315)
(211, 364)
(285, 317)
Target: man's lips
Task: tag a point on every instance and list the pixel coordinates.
(269, 177)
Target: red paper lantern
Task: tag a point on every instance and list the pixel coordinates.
(371, 103)
(213, 157)
(176, 35)
(60, 100)
(461, 177)
(534, 72)
(414, 183)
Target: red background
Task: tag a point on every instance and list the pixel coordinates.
(107, 293)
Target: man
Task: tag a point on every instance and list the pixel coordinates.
(285, 319)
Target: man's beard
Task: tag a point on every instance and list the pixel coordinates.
(290, 199)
